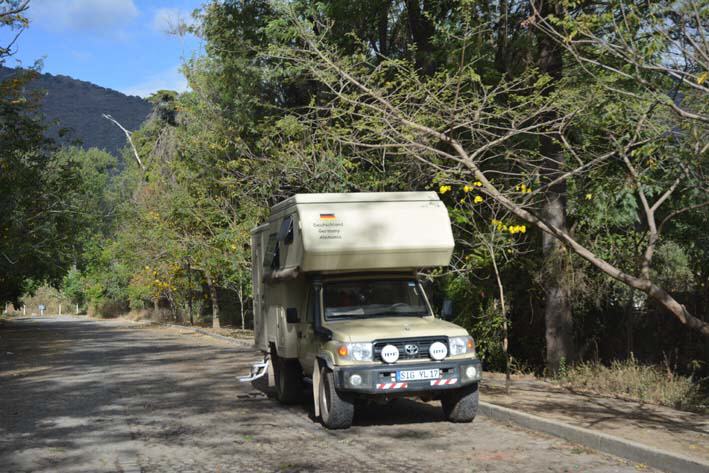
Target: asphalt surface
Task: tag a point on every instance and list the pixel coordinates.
(98, 396)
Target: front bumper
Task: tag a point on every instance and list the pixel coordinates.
(382, 379)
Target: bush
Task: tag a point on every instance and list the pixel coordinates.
(629, 379)
(107, 309)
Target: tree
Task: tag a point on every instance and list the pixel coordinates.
(12, 16)
(459, 124)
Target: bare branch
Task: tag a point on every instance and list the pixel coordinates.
(130, 140)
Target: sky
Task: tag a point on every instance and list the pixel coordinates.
(118, 44)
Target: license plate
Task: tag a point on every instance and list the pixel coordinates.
(415, 375)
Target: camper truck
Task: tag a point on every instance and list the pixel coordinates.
(338, 305)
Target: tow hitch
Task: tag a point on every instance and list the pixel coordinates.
(258, 370)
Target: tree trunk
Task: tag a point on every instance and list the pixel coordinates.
(501, 51)
(630, 325)
(241, 306)
(189, 292)
(557, 310)
(383, 27)
(421, 30)
(505, 331)
(214, 300)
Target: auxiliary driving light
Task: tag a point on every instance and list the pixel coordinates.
(355, 380)
(471, 372)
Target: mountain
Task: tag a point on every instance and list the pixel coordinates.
(79, 106)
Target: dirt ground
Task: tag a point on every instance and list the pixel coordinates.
(107, 396)
(679, 432)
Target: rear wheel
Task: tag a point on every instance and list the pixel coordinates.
(336, 409)
(461, 405)
(289, 380)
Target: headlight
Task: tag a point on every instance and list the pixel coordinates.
(461, 345)
(355, 351)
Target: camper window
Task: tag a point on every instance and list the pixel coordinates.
(373, 298)
(285, 234)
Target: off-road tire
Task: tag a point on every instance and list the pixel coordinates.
(461, 405)
(336, 409)
(289, 380)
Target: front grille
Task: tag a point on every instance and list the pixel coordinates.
(422, 343)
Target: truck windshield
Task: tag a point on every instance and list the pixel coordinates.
(363, 299)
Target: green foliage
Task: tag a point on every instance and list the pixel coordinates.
(50, 200)
(73, 288)
(266, 117)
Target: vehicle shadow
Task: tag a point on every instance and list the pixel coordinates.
(401, 411)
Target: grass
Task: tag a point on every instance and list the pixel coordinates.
(629, 379)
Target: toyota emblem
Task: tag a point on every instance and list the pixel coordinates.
(411, 349)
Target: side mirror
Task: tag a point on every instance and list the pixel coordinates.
(447, 309)
(292, 315)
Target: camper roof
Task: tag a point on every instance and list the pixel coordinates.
(353, 197)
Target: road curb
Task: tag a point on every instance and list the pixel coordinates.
(663, 460)
(233, 341)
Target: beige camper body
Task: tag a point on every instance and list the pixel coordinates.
(353, 246)
(359, 232)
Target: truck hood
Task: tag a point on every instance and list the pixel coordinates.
(365, 330)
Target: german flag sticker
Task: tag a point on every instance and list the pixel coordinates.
(327, 216)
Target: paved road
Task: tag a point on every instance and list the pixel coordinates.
(97, 396)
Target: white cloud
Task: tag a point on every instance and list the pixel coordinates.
(170, 79)
(98, 16)
(167, 20)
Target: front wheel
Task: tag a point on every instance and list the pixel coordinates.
(461, 405)
(336, 409)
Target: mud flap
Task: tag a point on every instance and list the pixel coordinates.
(316, 387)
(271, 374)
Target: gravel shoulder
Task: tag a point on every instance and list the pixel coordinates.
(93, 396)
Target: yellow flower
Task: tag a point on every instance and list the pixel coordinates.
(523, 229)
(444, 189)
(233, 247)
(477, 184)
(702, 77)
(513, 229)
(589, 196)
(477, 199)
(467, 188)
